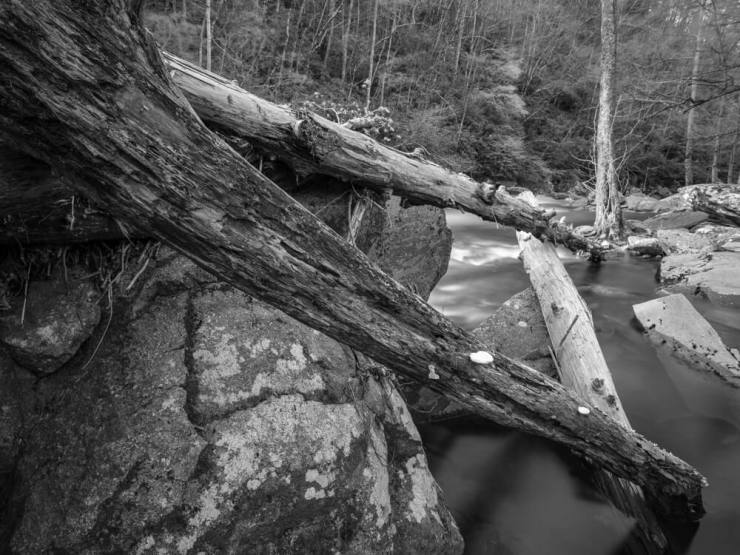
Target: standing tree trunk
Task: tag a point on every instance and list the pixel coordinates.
(608, 209)
(345, 43)
(208, 35)
(330, 36)
(154, 164)
(717, 143)
(688, 159)
(372, 57)
(731, 161)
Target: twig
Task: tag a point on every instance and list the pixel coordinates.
(105, 331)
(25, 293)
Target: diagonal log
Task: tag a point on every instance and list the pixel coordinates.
(85, 89)
(582, 368)
(312, 144)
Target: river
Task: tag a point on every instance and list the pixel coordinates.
(514, 494)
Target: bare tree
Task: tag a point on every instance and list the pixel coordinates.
(691, 119)
(608, 209)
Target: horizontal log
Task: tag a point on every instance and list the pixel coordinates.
(154, 165)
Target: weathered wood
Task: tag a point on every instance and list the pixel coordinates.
(96, 102)
(36, 208)
(582, 367)
(312, 144)
(721, 202)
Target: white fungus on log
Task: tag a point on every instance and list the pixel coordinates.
(433, 372)
(584, 411)
(481, 357)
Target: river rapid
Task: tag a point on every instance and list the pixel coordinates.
(515, 494)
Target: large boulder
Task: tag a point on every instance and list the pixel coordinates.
(207, 422)
(681, 241)
(47, 325)
(674, 220)
(714, 275)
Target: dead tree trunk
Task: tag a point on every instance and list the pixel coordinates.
(95, 101)
(312, 144)
(582, 368)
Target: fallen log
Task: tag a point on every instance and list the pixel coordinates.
(154, 165)
(312, 144)
(721, 202)
(582, 368)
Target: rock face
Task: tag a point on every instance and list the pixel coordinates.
(56, 319)
(210, 423)
(682, 241)
(711, 274)
(674, 323)
(415, 246)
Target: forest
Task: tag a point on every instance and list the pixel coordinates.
(502, 90)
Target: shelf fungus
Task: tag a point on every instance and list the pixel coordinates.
(433, 372)
(481, 357)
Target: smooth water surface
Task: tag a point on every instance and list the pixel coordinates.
(515, 494)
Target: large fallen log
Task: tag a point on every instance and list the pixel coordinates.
(582, 368)
(84, 89)
(721, 202)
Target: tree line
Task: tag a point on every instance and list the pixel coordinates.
(439, 67)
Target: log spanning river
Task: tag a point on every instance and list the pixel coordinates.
(514, 494)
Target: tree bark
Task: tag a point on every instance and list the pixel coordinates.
(689, 151)
(369, 81)
(582, 368)
(208, 35)
(608, 220)
(153, 164)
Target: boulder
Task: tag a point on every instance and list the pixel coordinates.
(673, 202)
(639, 202)
(679, 241)
(672, 322)
(208, 422)
(714, 275)
(46, 327)
(641, 245)
(414, 247)
(675, 219)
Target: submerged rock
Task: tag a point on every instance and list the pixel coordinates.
(714, 275)
(674, 323)
(208, 422)
(46, 327)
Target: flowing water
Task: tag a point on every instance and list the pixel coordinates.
(515, 494)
